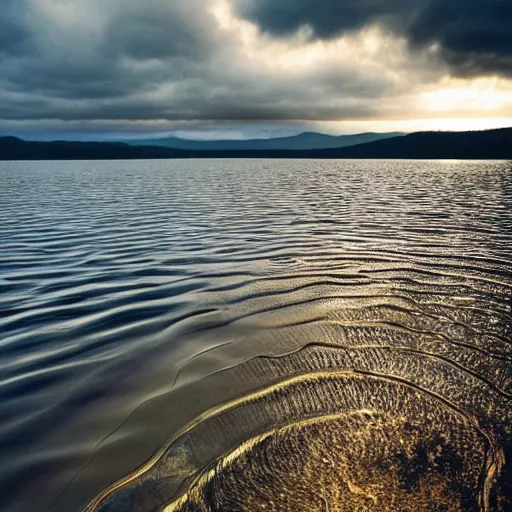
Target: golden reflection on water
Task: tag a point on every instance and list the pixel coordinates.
(324, 464)
(306, 444)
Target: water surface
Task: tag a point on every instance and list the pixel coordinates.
(255, 335)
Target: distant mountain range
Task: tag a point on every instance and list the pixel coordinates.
(306, 140)
(490, 144)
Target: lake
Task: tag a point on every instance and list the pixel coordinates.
(256, 335)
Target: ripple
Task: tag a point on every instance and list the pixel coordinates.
(253, 335)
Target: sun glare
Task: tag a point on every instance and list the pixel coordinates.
(484, 94)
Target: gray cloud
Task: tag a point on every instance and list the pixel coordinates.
(90, 58)
(326, 18)
(158, 59)
(107, 60)
(14, 34)
(474, 36)
(157, 29)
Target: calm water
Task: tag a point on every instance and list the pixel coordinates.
(264, 335)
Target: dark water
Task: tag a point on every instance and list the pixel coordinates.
(256, 336)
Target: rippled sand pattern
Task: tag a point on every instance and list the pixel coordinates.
(257, 336)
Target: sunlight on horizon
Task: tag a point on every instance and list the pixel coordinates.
(413, 125)
(410, 98)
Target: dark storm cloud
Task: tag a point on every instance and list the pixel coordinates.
(14, 35)
(210, 94)
(157, 59)
(475, 36)
(156, 30)
(151, 60)
(79, 60)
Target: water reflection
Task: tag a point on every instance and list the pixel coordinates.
(283, 335)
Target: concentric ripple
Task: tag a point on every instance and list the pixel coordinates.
(256, 336)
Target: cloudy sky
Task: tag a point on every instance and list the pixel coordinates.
(240, 68)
